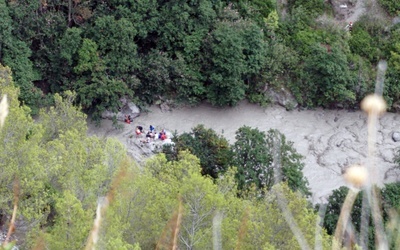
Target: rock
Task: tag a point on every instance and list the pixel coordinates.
(396, 106)
(165, 107)
(283, 97)
(396, 136)
(128, 108)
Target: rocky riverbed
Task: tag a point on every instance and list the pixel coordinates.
(330, 140)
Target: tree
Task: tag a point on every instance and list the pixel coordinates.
(96, 90)
(71, 224)
(212, 150)
(230, 60)
(328, 80)
(270, 222)
(391, 6)
(116, 45)
(266, 159)
(389, 200)
(58, 171)
(252, 158)
(391, 90)
(20, 155)
(16, 54)
(288, 161)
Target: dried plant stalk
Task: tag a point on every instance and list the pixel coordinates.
(344, 218)
(242, 229)
(217, 238)
(102, 207)
(318, 227)
(3, 110)
(282, 204)
(174, 225)
(11, 228)
(175, 231)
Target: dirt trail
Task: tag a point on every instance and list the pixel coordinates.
(330, 140)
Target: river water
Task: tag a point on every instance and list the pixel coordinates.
(330, 140)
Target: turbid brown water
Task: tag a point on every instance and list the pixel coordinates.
(330, 140)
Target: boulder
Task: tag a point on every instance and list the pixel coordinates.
(396, 136)
(396, 106)
(128, 108)
(282, 97)
(165, 107)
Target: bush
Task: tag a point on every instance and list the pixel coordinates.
(391, 6)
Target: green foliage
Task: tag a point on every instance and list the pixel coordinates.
(290, 162)
(220, 51)
(62, 117)
(15, 54)
(311, 7)
(147, 201)
(327, 80)
(20, 155)
(88, 59)
(59, 171)
(335, 202)
(95, 89)
(392, 83)
(268, 228)
(391, 6)
(362, 44)
(256, 10)
(116, 45)
(236, 54)
(72, 224)
(212, 150)
(252, 159)
(144, 15)
(389, 200)
(226, 67)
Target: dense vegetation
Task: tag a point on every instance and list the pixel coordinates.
(189, 51)
(262, 160)
(59, 175)
(92, 53)
(389, 195)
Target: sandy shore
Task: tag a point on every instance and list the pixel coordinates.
(330, 140)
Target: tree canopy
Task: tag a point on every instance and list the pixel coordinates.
(191, 51)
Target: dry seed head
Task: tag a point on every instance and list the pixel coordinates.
(373, 104)
(356, 175)
(3, 110)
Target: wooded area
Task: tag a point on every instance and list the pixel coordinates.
(68, 56)
(190, 51)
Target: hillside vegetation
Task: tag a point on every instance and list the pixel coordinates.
(190, 51)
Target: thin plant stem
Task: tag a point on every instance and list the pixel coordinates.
(282, 203)
(318, 227)
(380, 238)
(344, 218)
(11, 228)
(175, 232)
(242, 229)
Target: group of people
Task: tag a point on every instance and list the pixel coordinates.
(151, 133)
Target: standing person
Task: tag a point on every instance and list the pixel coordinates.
(152, 129)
